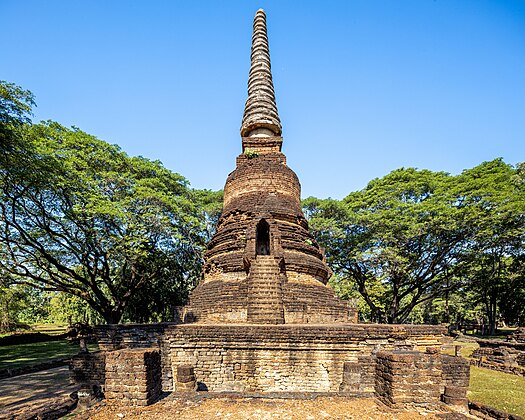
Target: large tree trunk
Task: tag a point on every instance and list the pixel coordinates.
(112, 315)
(493, 315)
(446, 315)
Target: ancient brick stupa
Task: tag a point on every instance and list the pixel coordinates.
(262, 265)
(263, 319)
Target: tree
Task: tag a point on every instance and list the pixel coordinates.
(15, 111)
(79, 216)
(210, 203)
(12, 302)
(67, 308)
(494, 193)
(399, 241)
(414, 239)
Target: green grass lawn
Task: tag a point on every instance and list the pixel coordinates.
(34, 353)
(51, 329)
(467, 348)
(500, 390)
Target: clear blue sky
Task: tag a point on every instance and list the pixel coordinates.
(363, 87)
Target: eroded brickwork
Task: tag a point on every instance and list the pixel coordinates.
(130, 336)
(517, 336)
(133, 376)
(88, 368)
(505, 356)
(407, 377)
(262, 189)
(307, 358)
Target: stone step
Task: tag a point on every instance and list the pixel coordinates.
(265, 303)
(263, 272)
(262, 293)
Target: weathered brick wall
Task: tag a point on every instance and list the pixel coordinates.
(501, 355)
(518, 336)
(456, 379)
(114, 337)
(288, 357)
(368, 373)
(407, 377)
(456, 371)
(88, 368)
(260, 175)
(133, 376)
(359, 377)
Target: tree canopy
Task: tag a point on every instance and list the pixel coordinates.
(78, 215)
(416, 235)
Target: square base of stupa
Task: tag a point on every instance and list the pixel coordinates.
(273, 358)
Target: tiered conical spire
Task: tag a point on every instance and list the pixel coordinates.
(260, 110)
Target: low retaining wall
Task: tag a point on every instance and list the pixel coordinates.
(500, 355)
(302, 357)
(291, 358)
(487, 412)
(22, 370)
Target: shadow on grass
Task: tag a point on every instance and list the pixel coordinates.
(29, 354)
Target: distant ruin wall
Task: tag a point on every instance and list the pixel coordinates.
(500, 355)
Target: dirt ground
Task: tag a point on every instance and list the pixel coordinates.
(259, 409)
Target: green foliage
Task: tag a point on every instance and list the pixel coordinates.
(20, 305)
(394, 240)
(455, 308)
(250, 153)
(16, 104)
(65, 308)
(416, 236)
(15, 110)
(79, 216)
(12, 302)
(210, 204)
(496, 274)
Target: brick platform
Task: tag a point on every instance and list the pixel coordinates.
(408, 377)
(291, 358)
(133, 376)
